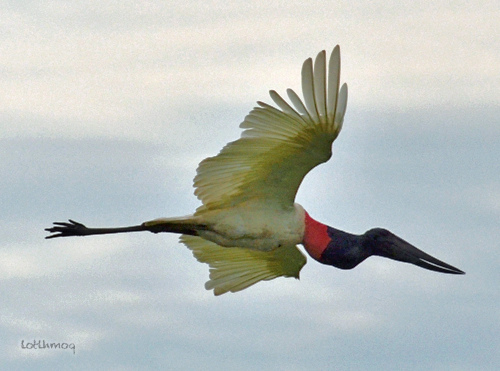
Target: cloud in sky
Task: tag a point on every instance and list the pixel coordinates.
(108, 63)
(107, 107)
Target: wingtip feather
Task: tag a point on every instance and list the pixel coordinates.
(320, 85)
(308, 89)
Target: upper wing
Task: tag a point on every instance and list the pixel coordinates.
(235, 268)
(279, 146)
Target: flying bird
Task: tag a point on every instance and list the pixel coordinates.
(248, 226)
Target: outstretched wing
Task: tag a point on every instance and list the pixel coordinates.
(234, 268)
(279, 146)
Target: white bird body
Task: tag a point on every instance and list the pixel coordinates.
(254, 225)
(249, 225)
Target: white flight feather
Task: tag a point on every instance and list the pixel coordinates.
(298, 104)
(308, 89)
(333, 83)
(320, 86)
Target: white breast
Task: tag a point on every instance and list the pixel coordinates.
(254, 225)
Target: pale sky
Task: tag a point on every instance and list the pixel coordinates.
(107, 107)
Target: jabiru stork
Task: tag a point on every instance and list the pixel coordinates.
(248, 226)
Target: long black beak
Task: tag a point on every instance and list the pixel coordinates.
(429, 262)
(391, 246)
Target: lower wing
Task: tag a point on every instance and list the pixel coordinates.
(234, 268)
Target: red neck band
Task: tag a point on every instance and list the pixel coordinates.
(316, 238)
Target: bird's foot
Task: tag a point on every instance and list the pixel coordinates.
(62, 229)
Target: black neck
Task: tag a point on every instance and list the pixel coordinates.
(345, 250)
